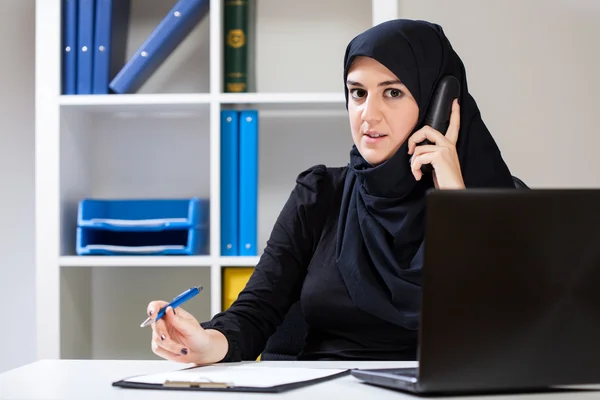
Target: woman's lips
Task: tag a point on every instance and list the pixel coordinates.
(373, 137)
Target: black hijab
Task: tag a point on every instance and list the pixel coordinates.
(379, 249)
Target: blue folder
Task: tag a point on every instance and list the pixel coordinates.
(110, 40)
(85, 46)
(69, 47)
(229, 182)
(171, 31)
(248, 189)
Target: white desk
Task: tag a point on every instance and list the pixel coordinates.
(85, 379)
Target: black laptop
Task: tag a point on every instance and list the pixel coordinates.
(511, 293)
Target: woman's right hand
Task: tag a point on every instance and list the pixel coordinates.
(178, 337)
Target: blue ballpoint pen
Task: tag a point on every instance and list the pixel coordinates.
(177, 301)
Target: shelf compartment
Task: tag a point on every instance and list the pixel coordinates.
(142, 157)
(292, 48)
(89, 297)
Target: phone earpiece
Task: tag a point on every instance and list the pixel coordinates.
(440, 108)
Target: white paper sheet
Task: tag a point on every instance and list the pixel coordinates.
(134, 249)
(238, 375)
(137, 222)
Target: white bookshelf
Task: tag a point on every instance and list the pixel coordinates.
(164, 142)
(166, 261)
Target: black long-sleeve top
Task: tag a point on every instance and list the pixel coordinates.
(298, 262)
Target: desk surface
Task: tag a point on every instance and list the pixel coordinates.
(92, 379)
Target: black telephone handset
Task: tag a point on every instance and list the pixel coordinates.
(438, 114)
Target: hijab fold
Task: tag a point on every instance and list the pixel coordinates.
(379, 248)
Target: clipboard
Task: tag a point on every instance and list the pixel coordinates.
(233, 378)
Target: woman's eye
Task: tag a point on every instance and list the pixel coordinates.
(393, 92)
(358, 93)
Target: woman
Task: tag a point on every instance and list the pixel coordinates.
(349, 241)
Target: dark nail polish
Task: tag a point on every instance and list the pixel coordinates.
(174, 312)
(162, 337)
(184, 351)
(150, 313)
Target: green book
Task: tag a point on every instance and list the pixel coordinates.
(235, 39)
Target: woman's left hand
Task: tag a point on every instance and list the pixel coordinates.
(441, 154)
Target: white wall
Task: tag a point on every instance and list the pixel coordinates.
(532, 66)
(17, 294)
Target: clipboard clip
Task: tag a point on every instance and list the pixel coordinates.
(196, 384)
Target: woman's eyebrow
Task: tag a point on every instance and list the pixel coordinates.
(384, 83)
(392, 82)
(353, 83)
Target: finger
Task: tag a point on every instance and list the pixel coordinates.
(428, 133)
(167, 343)
(171, 350)
(154, 306)
(419, 161)
(187, 326)
(159, 328)
(454, 125)
(162, 352)
(415, 139)
(159, 351)
(425, 148)
(184, 314)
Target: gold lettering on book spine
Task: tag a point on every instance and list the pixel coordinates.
(236, 87)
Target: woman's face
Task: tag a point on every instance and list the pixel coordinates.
(382, 111)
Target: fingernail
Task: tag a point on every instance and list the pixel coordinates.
(150, 312)
(162, 337)
(184, 351)
(174, 312)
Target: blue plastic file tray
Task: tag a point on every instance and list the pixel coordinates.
(143, 214)
(143, 226)
(94, 241)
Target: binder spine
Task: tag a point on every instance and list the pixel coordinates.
(69, 46)
(102, 46)
(171, 31)
(229, 182)
(85, 46)
(248, 189)
(110, 39)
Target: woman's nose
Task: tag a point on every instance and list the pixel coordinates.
(371, 111)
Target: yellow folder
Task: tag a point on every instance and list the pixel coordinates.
(234, 281)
